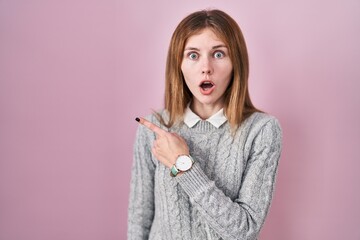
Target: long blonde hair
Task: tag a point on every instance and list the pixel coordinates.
(238, 105)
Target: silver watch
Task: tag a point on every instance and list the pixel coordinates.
(183, 163)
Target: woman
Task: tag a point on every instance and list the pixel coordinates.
(205, 167)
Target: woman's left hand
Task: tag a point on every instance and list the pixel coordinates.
(167, 146)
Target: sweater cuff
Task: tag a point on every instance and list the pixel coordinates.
(194, 181)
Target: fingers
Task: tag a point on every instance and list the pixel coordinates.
(151, 126)
(155, 150)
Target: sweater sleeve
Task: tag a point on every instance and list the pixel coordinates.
(141, 202)
(243, 217)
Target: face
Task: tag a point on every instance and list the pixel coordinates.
(207, 69)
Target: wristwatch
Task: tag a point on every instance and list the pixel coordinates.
(183, 163)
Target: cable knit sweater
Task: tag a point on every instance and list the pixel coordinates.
(225, 195)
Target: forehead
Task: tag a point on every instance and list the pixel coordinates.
(204, 36)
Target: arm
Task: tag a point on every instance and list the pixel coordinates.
(141, 203)
(244, 217)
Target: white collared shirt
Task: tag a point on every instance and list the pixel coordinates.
(191, 119)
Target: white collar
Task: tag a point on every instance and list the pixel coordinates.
(191, 119)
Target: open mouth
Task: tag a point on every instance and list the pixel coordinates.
(206, 87)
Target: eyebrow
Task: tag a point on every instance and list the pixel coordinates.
(214, 47)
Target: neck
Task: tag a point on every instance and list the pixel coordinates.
(205, 111)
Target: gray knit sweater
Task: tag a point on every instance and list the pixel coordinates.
(225, 195)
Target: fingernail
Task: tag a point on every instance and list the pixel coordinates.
(137, 119)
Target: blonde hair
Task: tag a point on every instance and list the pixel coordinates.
(238, 105)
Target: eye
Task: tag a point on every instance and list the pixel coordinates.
(193, 56)
(219, 54)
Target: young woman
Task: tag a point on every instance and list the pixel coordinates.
(205, 166)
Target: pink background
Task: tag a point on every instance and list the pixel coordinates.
(74, 75)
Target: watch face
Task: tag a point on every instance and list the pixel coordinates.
(183, 163)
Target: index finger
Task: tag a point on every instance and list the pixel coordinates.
(151, 126)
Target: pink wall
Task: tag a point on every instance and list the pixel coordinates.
(75, 74)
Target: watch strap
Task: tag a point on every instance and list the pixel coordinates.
(174, 171)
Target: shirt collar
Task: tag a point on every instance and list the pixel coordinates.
(191, 119)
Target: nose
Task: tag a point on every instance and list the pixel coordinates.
(206, 71)
(206, 67)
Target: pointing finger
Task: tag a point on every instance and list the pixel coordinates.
(151, 126)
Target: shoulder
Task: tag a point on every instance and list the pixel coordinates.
(158, 117)
(262, 126)
(259, 120)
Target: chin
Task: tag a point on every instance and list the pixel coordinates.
(207, 100)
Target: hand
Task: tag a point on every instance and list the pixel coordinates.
(167, 146)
